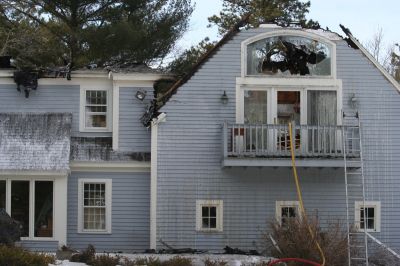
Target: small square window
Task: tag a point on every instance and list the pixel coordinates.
(96, 109)
(286, 210)
(370, 220)
(209, 215)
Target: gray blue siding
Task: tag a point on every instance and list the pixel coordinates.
(189, 157)
(39, 245)
(47, 98)
(133, 136)
(130, 213)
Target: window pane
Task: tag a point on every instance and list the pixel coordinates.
(96, 97)
(205, 211)
(96, 120)
(205, 223)
(43, 208)
(321, 108)
(96, 109)
(288, 107)
(20, 204)
(213, 211)
(288, 55)
(255, 107)
(2, 194)
(94, 218)
(213, 223)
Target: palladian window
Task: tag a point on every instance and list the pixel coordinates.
(288, 55)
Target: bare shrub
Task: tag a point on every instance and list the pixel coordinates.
(210, 262)
(294, 241)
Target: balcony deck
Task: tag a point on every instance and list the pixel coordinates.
(268, 145)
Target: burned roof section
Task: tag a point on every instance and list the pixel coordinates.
(35, 142)
(235, 29)
(91, 149)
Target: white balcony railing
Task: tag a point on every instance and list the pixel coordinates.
(252, 140)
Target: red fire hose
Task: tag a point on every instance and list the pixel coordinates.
(274, 262)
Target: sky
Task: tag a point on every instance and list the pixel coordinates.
(362, 17)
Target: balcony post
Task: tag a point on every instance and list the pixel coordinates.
(225, 140)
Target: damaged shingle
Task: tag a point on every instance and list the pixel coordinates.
(89, 149)
(30, 141)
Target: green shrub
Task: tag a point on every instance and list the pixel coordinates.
(14, 256)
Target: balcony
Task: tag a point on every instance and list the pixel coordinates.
(268, 145)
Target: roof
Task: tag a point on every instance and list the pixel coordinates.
(99, 149)
(333, 36)
(35, 141)
(228, 36)
(357, 45)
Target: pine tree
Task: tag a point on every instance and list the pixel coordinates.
(100, 31)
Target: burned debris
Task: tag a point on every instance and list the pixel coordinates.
(288, 56)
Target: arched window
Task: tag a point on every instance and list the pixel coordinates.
(288, 55)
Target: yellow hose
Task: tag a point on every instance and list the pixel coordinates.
(300, 197)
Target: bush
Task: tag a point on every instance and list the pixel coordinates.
(294, 241)
(209, 262)
(14, 256)
(175, 261)
(89, 257)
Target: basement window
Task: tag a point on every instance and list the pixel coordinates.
(96, 110)
(371, 219)
(286, 210)
(209, 215)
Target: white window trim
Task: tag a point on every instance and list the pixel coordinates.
(31, 204)
(108, 195)
(220, 211)
(297, 33)
(368, 204)
(272, 86)
(287, 203)
(82, 111)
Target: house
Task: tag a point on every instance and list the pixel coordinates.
(75, 159)
(220, 165)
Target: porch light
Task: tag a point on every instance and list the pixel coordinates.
(224, 98)
(140, 95)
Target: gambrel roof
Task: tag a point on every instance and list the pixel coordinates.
(35, 141)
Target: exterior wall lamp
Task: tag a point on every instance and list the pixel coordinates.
(140, 95)
(354, 101)
(224, 98)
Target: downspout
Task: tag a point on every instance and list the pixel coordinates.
(153, 179)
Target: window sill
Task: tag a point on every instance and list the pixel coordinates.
(95, 232)
(37, 239)
(210, 231)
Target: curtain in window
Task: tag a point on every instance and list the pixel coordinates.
(322, 113)
(255, 107)
(322, 108)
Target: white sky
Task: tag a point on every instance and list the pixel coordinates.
(362, 17)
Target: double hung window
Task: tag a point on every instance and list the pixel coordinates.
(94, 206)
